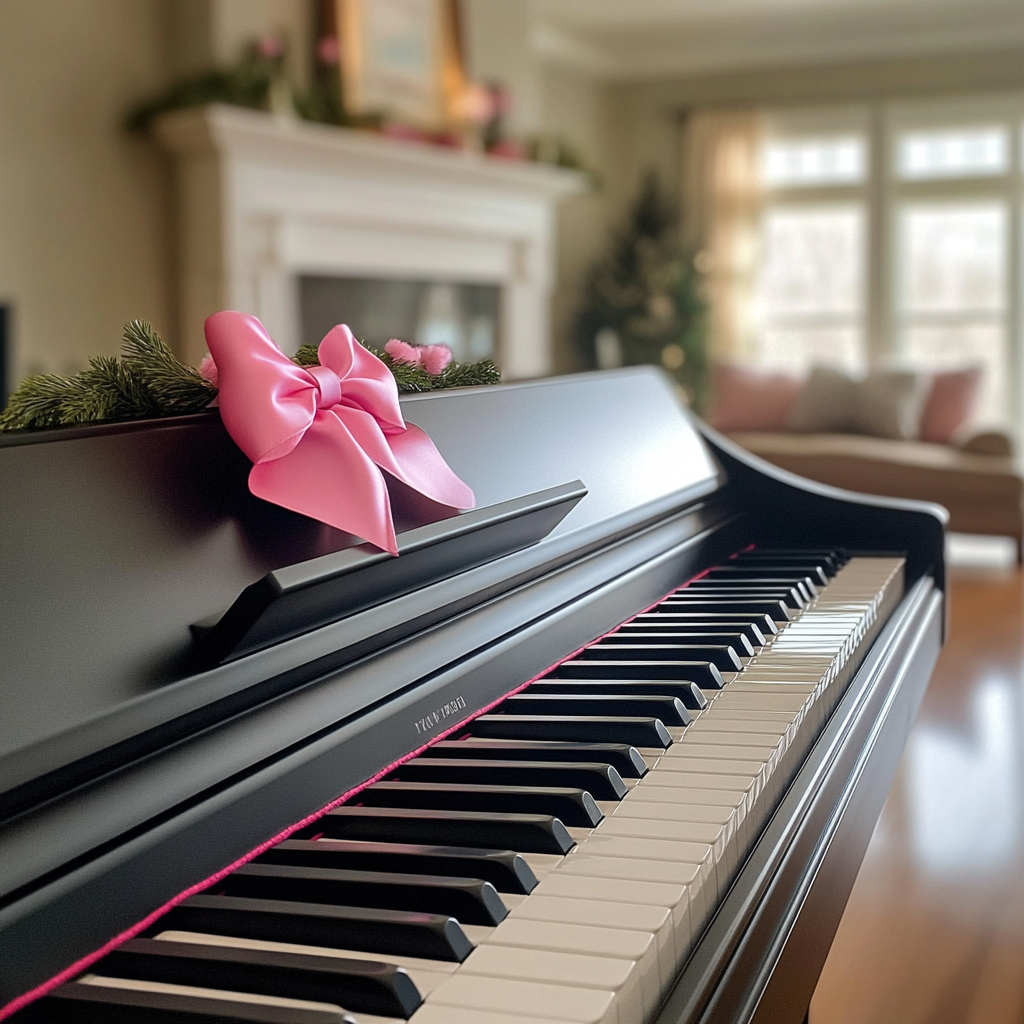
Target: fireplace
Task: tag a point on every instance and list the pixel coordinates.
(306, 225)
(464, 317)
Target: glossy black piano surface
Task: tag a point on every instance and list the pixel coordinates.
(131, 769)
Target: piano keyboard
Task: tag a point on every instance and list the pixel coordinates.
(553, 862)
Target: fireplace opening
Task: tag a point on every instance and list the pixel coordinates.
(462, 316)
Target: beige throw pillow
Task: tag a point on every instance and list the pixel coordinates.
(827, 403)
(890, 403)
(885, 403)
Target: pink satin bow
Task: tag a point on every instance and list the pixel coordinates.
(319, 436)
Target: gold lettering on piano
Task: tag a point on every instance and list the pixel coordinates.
(430, 722)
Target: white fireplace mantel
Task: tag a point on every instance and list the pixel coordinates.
(262, 200)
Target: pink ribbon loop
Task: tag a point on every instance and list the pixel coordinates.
(320, 436)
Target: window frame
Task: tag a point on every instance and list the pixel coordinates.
(832, 122)
(896, 193)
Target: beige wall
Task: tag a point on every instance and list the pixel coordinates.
(575, 108)
(83, 208)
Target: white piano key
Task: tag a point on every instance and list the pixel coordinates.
(715, 836)
(687, 794)
(578, 833)
(477, 933)
(530, 998)
(755, 718)
(731, 818)
(763, 723)
(542, 863)
(750, 814)
(676, 757)
(674, 898)
(589, 940)
(427, 1014)
(788, 704)
(744, 773)
(605, 870)
(621, 847)
(606, 914)
(622, 977)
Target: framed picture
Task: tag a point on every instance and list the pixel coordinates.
(400, 58)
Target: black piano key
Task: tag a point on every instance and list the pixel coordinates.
(690, 694)
(737, 642)
(703, 673)
(763, 622)
(723, 657)
(754, 579)
(638, 732)
(778, 610)
(601, 780)
(525, 833)
(505, 870)
(626, 760)
(683, 626)
(469, 900)
(815, 573)
(789, 596)
(667, 709)
(570, 806)
(830, 564)
(367, 929)
(362, 986)
(79, 1003)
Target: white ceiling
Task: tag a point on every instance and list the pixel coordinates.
(635, 39)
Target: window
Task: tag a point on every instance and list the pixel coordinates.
(810, 287)
(863, 264)
(813, 161)
(953, 154)
(953, 289)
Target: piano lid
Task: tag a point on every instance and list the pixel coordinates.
(115, 539)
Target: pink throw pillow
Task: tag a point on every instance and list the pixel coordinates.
(950, 403)
(745, 398)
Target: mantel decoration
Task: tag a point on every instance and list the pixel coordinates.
(348, 90)
(319, 427)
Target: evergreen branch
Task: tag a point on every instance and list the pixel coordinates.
(307, 356)
(171, 386)
(468, 375)
(36, 403)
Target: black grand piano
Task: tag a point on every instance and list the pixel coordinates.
(608, 748)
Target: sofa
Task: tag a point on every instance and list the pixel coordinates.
(973, 474)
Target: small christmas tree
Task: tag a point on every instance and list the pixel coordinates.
(647, 291)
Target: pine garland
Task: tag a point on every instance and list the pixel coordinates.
(412, 379)
(147, 381)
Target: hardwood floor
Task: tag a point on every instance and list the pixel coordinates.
(934, 931)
